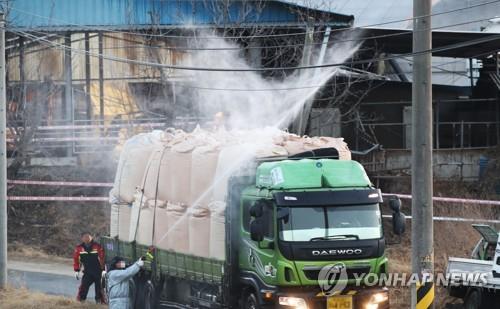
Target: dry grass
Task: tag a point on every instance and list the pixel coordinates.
(11, 298)
(450, 238)
(21, 252)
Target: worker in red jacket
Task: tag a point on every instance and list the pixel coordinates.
(90, 255)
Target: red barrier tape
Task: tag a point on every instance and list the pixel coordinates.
(448, 199)
(110, 185)
(59, 198)
(452, 219)
(61, 183)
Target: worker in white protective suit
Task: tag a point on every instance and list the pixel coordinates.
(118, 282)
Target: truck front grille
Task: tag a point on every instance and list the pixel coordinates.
(352, 272)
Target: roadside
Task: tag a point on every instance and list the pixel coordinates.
(21, 298)
(44, 274)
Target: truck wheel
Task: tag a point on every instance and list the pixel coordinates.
(250, 301)
(104, 289)
(473, 300)
(150, 296)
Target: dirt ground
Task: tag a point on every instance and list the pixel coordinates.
(54, 227)
(11, 298)
(455, 239)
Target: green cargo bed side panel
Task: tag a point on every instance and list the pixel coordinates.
(189, 267)
(289, 174)
(343, 173)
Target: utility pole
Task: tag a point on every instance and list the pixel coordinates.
(3, 160)
(300, 123)
(100, 38)
(68, 88)
(422, 294)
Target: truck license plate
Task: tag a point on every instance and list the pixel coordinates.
(339, 302)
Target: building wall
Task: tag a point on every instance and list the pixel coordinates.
(447, 163)
(445, 71)
(44, 63)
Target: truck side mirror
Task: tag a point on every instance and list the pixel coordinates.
(256, 230)
(398, 223)
(257, 209)
(395, 204)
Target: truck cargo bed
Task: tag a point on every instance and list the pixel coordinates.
(471, 266)
(167, 262)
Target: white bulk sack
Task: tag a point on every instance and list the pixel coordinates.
(294, 144)
(217, 231)
(203, 167)
(161, 226)
(337, 143)
(145, 228)
(177, 228)
(114, 220)
(230, 160)
(137, 205)
(270, 150)
(156, 175)
(124, 222)
(199, 231)
(133, 160)
(179, 177)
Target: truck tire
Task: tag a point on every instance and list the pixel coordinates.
(250, 301)
(140, 283)
(104, 289)
(473, 300)
(150, 295)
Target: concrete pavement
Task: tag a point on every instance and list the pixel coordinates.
(49, 278)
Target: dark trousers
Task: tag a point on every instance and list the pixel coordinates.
(87, 280)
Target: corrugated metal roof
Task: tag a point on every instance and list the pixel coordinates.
(119, 14)
(371, 12)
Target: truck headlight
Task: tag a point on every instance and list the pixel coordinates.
(376, 299)
(296, 302)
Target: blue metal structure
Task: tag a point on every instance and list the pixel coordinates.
(82, 15)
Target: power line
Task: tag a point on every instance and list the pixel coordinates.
(187, 68)
(405, 32)
(256, 36)
(181, 85)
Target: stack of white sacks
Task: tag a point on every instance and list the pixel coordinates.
(170, 187)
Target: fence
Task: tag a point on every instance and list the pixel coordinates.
(90, 136)
(447, 135)
(105, 199)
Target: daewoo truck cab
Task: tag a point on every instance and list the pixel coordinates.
(298, 232)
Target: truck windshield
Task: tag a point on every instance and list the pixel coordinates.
(331, 223)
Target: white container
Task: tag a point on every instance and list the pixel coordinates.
(156, 175)
(199, 231)
(114, 220)
(203, 167)
(177, 230)
(145, 228)
(124, 222)
(132, 164)
(217, 231)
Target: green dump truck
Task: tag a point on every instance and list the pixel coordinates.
(295, 230)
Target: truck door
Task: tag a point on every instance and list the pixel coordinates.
(258, 257)
(486, 248)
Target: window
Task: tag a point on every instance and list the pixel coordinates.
(267, 218)
(246, 215)
(332, 222)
